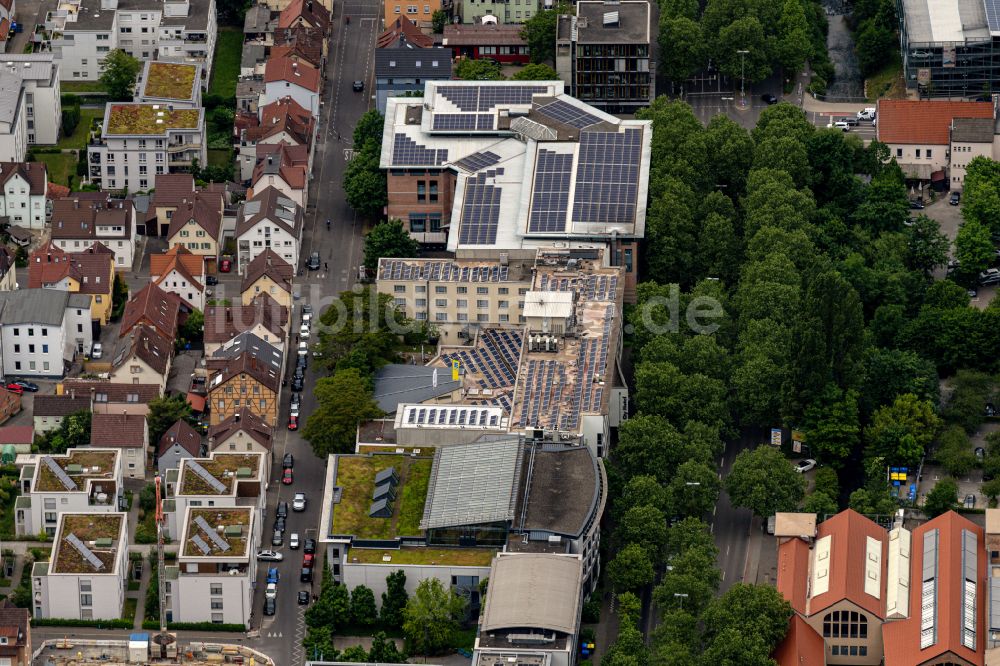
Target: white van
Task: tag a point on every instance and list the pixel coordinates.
(867, 113)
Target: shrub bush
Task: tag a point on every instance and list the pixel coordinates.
(68, 622)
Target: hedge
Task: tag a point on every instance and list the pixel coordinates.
(67, 622)
(194, 626)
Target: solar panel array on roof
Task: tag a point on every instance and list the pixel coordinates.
(993, 14)
(380, 509)
(387, 475)
(213, 482)
(85, 552)
(590, 287)
(440, 271)
(550, 193)
(485, 98)
(568, 114)
(477, 161)
(68, 483)
(202, 546)
(496, 358)
(454, 121)
(219, 542)
(480, 209)
(607, 177)
(406, 151)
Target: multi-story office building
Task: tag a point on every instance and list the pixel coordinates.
(140, 141)
(88, 573)
(80, 481)
(602, 53)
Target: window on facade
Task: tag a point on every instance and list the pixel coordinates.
(216, 588)
(845, 624)
(440, 290)
(421, 191)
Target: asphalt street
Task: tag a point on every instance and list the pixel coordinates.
(730, 525)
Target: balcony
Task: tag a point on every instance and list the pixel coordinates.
(95, 172)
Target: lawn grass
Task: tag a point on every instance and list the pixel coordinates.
(8, 496)
(78, 139)
(226, 66)
(887, 83)
(60, 165)
(220, 157)
(356, 476)
(411, 506)
(81, 86)
(128, 610)
(456, 557)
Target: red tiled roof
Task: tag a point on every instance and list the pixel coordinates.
(902, 637)
(93, 269)
(247, 363)
(223, 323)
(802, 646)
(182, 434)
(146, 344)
(484, 35)
(178, 255)
(294, 71)
(405, 31)
(205, 208)
(849, 531)
(124, 430)
(57, 191)
(155, 307)
(283, 116)
(302, 40)
(172, 188)
(244, 420)
(35, 173)
(197, 402)
(78, 216)
(17, 435)
(60, 405)
(111, 392)
(793, 573)
(289, 162)
(924, 122)
(312, 13)
(4, 29)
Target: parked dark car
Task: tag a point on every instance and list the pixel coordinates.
(306, 575)
(277, 538)
(955, 198)
(269, 606)
(309, 546)
(279, 524)
(358, 86)
(282, 510)
(211, 280)
(769, 98)
(917, 205)
(288, 461)
(314, 263)
(26, 385)
(303, 597)
(302, 361)
(298, 383)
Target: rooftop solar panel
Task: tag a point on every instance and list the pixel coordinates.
(477, 161)
(202, 546)
(607, 177)
(213, 482)
(220, 543)
(487, 97)
(85, 552)
(993, 14)
(407, 151)
(480, 211)
(64, 479)
(454, 121)
(566, 113)
(550, 193)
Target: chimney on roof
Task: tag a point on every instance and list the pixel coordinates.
(76, 203)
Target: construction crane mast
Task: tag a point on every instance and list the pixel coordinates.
(160, 569)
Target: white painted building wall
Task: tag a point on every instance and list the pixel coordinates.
(81, 53)
(23, 208)
(275, 90)
(178, 284)
(265, 235)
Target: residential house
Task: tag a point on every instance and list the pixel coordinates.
(530, 596)
(170, 84)
(403, 70)
(153, 307)
(139, 142)
(21, 236)
(82, 480)
(142, 356)
(969, 138)
(8, 270)
(502, 43)
(37, 75)
(179, 272)
(918, 133)
(303, 41)
(127, 432)
(253, 59)
(42, 331)
(87, 576)
(283, 167)
(268, 274)
(269, 220)
(602, 54)
(263, 317)
(258, 24)
(81, 221)
(243, 431)
(421, 14)
(196, 224)
(215, 574)
(494, 11)
(10, 404)
(15, 634)
(179, 442)
(23, 193)
(82, 33)
(284, 121)
(48, 411)
(304, 14)
(90, 272)
(108, 397)
(247, 379)
(248, 94)
(403, 33)
(295, 78)
(20, 437)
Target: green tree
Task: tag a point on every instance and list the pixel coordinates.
(649, 444)
(394, 600)
(763, 481)
(891, 372)
(832, 425)
(73, 432)
(388, 240)
(981, 193)
(166, 411)
(942, 497)
(991, 489)
(119, 74)
(694, 489)
(945, 295)
(901, 432)
(368, 128)
(193, 328)
(875, 44)
(971, 390)
(749, 612)
(384, 650)
(690, 533)
(928, 247)
(355, 653)
(682, 47)
(631, 568)
(431, 617)
(344, 401)
(792, 45)
(439, 19)
(885, 206)
(478, 70)
(647, 527)
(365, 182)
(629, 647)
(692, 578)
(743, 34)
(539, 33)
(642, 490)
(661, 388)
(973, 249)
(825, 481)
(820, 503)
(954, 451)
(536, 72)
(363, 610)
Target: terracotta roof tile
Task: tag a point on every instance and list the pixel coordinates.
(34, 172)
(924, 122)
(155, 307)
(849, 531)
(118, 430)
(483, 35)
(271, 205)
(205, 208)
(17, 435)
(303, 41)
(271, 264)
(793, 573)
(15, 622)
(283, 116)
(247, 363)
(182, 434)
(223, 323)
(161, 264)
(304, 12)
(802, 646)
(77, 217)
(244, 420)
(291, 163)
(93, 269)
(294, 71)
(57, 191)
(403, 32)
(146, 344)
(172, 188)
(111, 392)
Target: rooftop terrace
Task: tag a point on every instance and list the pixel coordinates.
(170, 80)
(148, 119)
(225, 468)
(80, 466)
(97, 534)
(232, 540)
(456, 557)
(355, 477)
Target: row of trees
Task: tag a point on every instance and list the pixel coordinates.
(364, 181)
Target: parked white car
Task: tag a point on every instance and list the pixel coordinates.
(867, 113)
(304, 331)
(805, 465)
(272, 590)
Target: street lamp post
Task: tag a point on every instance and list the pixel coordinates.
(743, 95)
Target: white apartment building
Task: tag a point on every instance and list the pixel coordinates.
(216, 566)
(88, 573)
(221, 480)
(269, 220)
(81, 33)
(140, 141)
(39, 74)
(42, 331)
(79, 222)
(13, 118)
(88, 481)
(23, 191)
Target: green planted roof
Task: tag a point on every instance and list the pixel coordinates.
(170, 80)
(131, 119)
